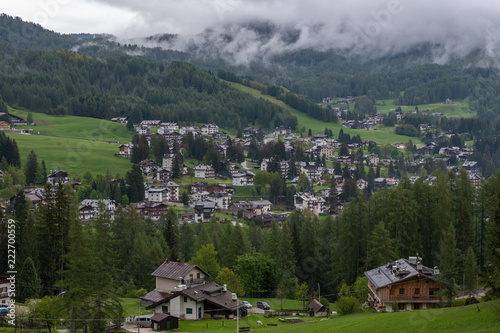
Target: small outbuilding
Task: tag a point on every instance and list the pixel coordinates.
(164, 322)
(318, 309)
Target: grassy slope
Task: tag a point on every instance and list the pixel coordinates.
(457, 109)
(318, 126)
(74, 144)
(461, 319)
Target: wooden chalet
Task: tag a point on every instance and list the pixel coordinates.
(404, 284)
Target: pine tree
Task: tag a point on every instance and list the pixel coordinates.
(31, 168)
(28, 282)
(448, 255)
(470, 271)
(171, 233)
(380, 246)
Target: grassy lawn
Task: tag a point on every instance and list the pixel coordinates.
(318, 126)
(460, 319)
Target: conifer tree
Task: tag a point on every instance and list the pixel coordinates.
(28, 282)
(448, 255)
(31, 168)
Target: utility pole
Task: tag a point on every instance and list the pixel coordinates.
(138, 319)
(237, 316)
(319, 292)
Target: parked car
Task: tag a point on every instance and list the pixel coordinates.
(263, 305)
(247, 304)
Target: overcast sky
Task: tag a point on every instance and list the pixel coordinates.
(459, 25)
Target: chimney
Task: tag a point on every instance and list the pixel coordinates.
(224, 287)
(436, 270)
(397, 264)
(419, 266)
(412, 260)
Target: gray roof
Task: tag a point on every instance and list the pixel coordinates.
(175, 270)
(316, 306)
(160, 316)
(156, 296)
(210, 292)
(385, 275)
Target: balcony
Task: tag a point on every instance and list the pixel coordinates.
(414, 298)
(191, 282)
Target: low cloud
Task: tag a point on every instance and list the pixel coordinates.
(228, 27)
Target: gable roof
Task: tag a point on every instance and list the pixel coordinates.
(160, 316)
(386, 275)
(211, 292)
(175, 270)
(316, 306)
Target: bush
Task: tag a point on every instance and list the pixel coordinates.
(458, 302)
(347, 305)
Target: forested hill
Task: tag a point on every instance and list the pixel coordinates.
(64, 82)
(419, 73)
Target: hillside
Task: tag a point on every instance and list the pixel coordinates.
(461, 319)
(318, 127)
(74, 144)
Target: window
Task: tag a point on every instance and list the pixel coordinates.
(189, 311)
(198, 275)
(417, 291)
(401, 306)
(431, 291)
(401, 291)
(164, 308)
(185, 299)
(416, 306)
(190, 276)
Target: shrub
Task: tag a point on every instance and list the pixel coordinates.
(347, 305)
(458, 302)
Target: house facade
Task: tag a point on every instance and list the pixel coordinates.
(404, 284)
(304, 200)
(4, 290)
(57, 177)
(243, 179)
(204, 171)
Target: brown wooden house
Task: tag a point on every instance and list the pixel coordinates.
(404, 284)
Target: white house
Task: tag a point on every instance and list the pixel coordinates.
(182, 292)
(204, 171)
(57, 177)
(243, 179)
(209, 129)
(304, 200)
(89, 208)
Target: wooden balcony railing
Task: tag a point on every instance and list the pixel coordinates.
(414, 298)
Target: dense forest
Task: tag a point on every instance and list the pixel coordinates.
(64, 82)
(374, 229)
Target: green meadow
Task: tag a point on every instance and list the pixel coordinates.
(459, 319)
(318, 127)
(459, 109)
(74, 144)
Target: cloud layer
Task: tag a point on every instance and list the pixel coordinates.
(365, 26)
